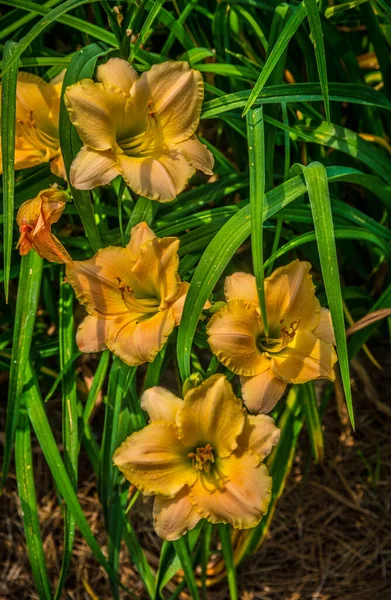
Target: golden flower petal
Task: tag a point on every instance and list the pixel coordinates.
(159, 177)
(97, 112)
(160, 404)
(241, 286)
(211, 414)
(259, 435)
(262, 392)
(34, 100)
(324, 329)
(91, 334)
(173, 517)
(155, 274)
(173, 93)
(304, 359)
(290, 295)
(241, 492)
(137, 343)
(57, 167)
(90, 169)
(198, 155)
(177, 307)
(117, 72)
(96, 281)
(155, 460)
(139, 234)
(233, 333)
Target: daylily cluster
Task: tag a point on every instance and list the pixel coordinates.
(202, 457)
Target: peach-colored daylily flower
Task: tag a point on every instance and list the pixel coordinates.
(35, 218)
(299, 347)
(140, 127)
(202, 457)
(37, 120)
(134, 296)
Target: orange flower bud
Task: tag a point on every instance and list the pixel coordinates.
(35, 218)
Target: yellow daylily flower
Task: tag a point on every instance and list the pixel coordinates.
(140, 127)
(202, 457)
(35, 218)
(134, 296)
(37, 121)
(300, 345)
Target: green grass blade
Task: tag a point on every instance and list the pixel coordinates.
(26, 308)
(314, 426)
(313, 15)
(29, 506)
(256, 153)
(82, 65)
(40, 423)
(225, 538)
(8, 119)
(318, 192)
(288, 32)
(69, 421)
(97, 384)
(184, 556)
(153, 12)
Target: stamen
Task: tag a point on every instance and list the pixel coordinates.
(288, 334)
(202, 458)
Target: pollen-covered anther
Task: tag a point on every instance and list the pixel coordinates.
(202, 458)
(288, 333)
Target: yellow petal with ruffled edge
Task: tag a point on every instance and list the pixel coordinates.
(173, 517)
(117, 72)
(240, 495)
(160, 404)
(91, 334)
(241, 286)
(259, 435)
(173, 93)
(211, 414)
(155, 460)
(139, 342)
(261, 392)
(233, 333)
(290, 296)
(306, 358)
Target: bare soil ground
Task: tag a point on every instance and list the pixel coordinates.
(330, 538)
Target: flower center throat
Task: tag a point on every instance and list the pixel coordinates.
(202, 458)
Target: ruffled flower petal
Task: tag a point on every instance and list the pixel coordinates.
(97, 112)
(91, 168)
(198, 155)
(173, 93)
(211, 414)
(262, 392)
(139, 234)
(240, 495)
(57, 167)
(160, 404)
(117, 72)
(158, 177)
(177, 307)
(155, 460)
(233, 334)
(324, 329)
(241, 286)
(173, 517)
(259, 435)
(290, 295)
(306, 358)
(155, 274)
(91, 334)
(97, 281)
(139, 342)
(34, 102)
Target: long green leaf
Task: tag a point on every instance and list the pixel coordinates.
(314, 426)
(26, 308)
(8, 119)
(29, 506)
(318, 192)
(313, 15)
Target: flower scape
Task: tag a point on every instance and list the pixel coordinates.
(159, 304)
